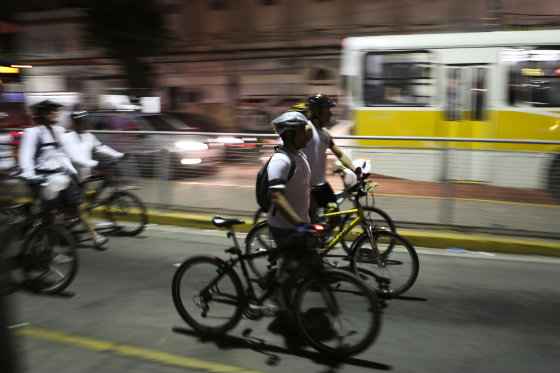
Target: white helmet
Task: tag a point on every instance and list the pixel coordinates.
(54, 185)
(290, 120)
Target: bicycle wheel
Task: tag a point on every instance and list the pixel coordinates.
(389, 255)
(337, 313)
(208, 296)
(49, 260)
(379, 218)
(259, 240)
(127, 213)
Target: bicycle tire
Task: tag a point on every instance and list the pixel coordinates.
(312, 333)
(180, 305)
(34, 259)
(136, 203)
(390, 258)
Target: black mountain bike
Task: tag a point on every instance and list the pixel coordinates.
(334, 311)
(39, 251)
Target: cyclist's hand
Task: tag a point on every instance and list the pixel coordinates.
(314, 229)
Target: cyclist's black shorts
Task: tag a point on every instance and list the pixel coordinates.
(291, 242)
(323, 195)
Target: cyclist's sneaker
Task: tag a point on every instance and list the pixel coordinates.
(104, 225)
(267, 309)
(367, 255)
(62, 259)
(100, 242)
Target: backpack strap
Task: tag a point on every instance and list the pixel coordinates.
(293, 161)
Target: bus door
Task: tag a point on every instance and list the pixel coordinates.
(466, 115)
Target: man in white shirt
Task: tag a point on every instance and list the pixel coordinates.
(46, 153)
(86, 143)
(319, 113)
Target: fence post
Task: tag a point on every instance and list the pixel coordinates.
(164, 174)
(447, 202)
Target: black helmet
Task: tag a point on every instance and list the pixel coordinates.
(320, 100)
(41, 109)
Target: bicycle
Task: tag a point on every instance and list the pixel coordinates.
(126, 211)
(374, 214)
(375, 251)
(47, 260)
(215, 305)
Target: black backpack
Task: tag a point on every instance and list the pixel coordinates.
(262, 186)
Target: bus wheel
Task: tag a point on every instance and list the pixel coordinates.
(554, 178)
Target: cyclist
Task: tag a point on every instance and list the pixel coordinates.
(86, 143)
(288, 217)
(46, 152)
(319, 113)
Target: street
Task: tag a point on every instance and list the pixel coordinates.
(475, 312)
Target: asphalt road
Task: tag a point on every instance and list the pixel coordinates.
(468, 312)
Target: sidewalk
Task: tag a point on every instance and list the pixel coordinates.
(442, 239)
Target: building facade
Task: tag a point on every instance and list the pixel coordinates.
(242, 61)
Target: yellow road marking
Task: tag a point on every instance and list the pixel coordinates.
(128, 351)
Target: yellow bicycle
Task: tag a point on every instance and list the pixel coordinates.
(375, 252)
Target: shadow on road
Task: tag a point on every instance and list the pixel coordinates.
(293, 347)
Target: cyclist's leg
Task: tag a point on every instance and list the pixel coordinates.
(288, 241)
(72, 199)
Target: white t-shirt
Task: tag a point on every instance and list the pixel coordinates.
(86, 144)
(38, 151)
(316, 152)
(296, 189)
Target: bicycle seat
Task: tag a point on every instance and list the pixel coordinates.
(225, 222)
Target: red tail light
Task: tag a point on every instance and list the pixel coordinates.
(318, 227)
(16, 137)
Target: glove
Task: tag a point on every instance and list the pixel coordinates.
(358, 171)
(309, 228)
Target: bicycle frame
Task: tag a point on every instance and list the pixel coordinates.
(230, 266)
(360, 219)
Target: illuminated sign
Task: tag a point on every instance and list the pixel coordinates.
(532, 72)
(8, 70)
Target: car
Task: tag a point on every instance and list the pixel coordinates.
(236, 148)
(166, 155)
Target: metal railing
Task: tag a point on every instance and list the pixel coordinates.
(440, 184)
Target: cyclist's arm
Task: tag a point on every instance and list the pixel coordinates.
(284, 208)
(106, 150)
(27, 150)
(342, 157)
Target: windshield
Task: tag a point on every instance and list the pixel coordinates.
(166, 123)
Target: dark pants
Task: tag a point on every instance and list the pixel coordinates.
(294, 249)
(321, 196)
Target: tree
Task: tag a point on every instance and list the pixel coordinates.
(129, 31)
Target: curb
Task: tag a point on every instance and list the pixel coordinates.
(426, 238)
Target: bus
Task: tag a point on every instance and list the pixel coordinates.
(483, 85)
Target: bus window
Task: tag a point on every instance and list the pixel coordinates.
(534, 77)
(398, 79)
(478, 94)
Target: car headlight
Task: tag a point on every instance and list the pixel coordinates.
(229, 140)
(191, 145)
